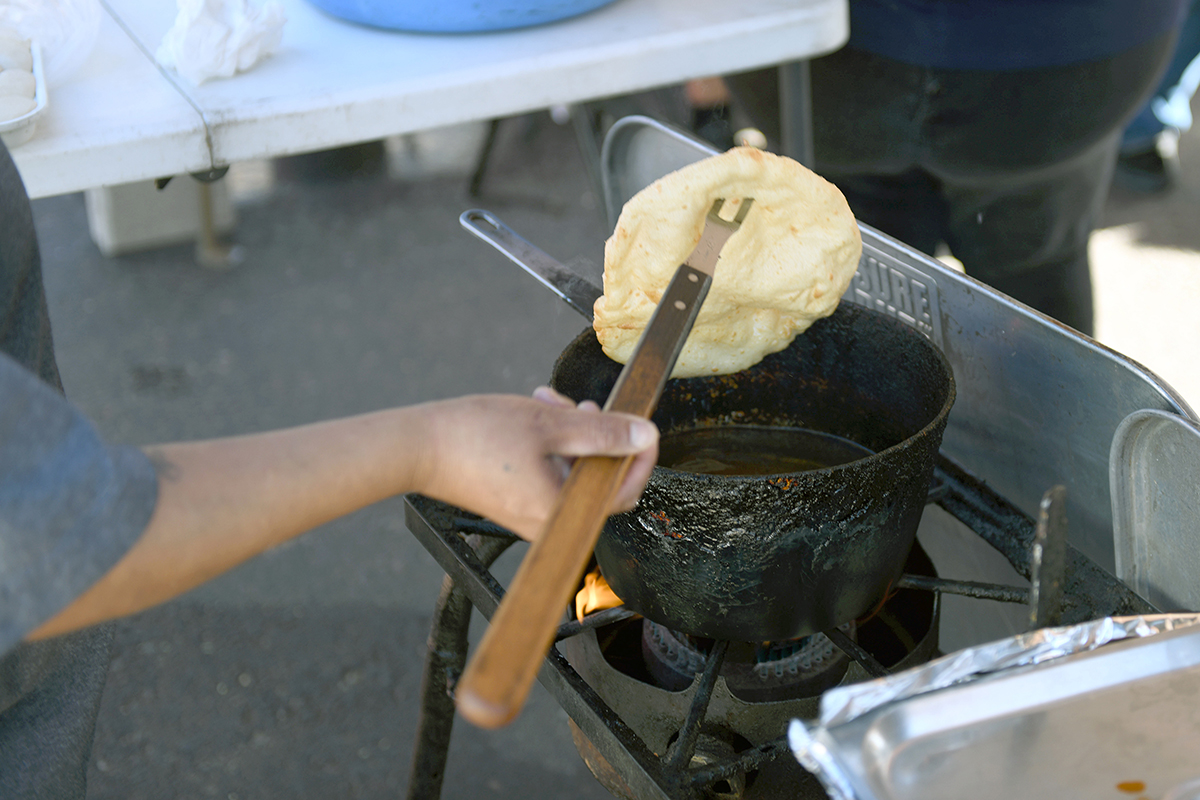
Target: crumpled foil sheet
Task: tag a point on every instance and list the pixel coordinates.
(846, 703)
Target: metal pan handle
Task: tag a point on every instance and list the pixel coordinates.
(578, 292)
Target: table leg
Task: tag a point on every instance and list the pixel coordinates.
(211, 250)
(795, 111)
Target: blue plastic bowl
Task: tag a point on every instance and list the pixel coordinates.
(456, 16)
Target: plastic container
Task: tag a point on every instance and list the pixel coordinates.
(456, 16)
(66, 31)
(19, 130)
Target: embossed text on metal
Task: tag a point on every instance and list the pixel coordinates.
(897, 289)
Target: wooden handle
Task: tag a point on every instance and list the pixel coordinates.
(498, 678)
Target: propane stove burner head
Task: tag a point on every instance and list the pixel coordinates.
(650, 677)
(754, 672)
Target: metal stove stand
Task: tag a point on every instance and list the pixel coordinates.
(1066, 588)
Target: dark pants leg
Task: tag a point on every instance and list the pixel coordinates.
(1010, 169)
(1028, 236)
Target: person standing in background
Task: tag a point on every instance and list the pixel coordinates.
(711, 115)
(989, 126)
(1149, 156)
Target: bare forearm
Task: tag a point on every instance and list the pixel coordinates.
(224, 501)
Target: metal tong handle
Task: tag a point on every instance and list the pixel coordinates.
(578, 292)
(497, 680)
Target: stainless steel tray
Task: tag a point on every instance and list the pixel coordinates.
(1116, 721)
(1038, 403)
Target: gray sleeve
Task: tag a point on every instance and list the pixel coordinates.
(70, 504)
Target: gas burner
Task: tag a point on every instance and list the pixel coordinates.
(753, 672)
(650, 676)
(645, 742)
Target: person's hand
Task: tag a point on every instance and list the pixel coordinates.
(506, 457)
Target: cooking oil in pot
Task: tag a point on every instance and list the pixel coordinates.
(754, 450)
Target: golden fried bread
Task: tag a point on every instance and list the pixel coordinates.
(787, 265)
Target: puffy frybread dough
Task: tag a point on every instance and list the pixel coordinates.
(787, 266)
(13, 106)
(14, 52)
(18, 82)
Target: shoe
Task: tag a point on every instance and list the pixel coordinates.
(714, 125)
(1149, 170)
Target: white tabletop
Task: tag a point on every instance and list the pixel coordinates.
(115, 120)
(333, 83)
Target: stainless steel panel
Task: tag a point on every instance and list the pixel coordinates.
(1038, 402)
(1155, 481)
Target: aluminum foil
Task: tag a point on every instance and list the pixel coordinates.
(844, 704)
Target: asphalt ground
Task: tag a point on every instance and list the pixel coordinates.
(297, 675)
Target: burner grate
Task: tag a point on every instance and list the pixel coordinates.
(1066, 588)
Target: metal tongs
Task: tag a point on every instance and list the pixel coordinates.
(497, 680)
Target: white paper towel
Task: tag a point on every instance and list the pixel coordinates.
(219, 38)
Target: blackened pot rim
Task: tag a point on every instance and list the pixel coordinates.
(936, 423)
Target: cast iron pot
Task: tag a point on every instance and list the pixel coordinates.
(755, 558)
